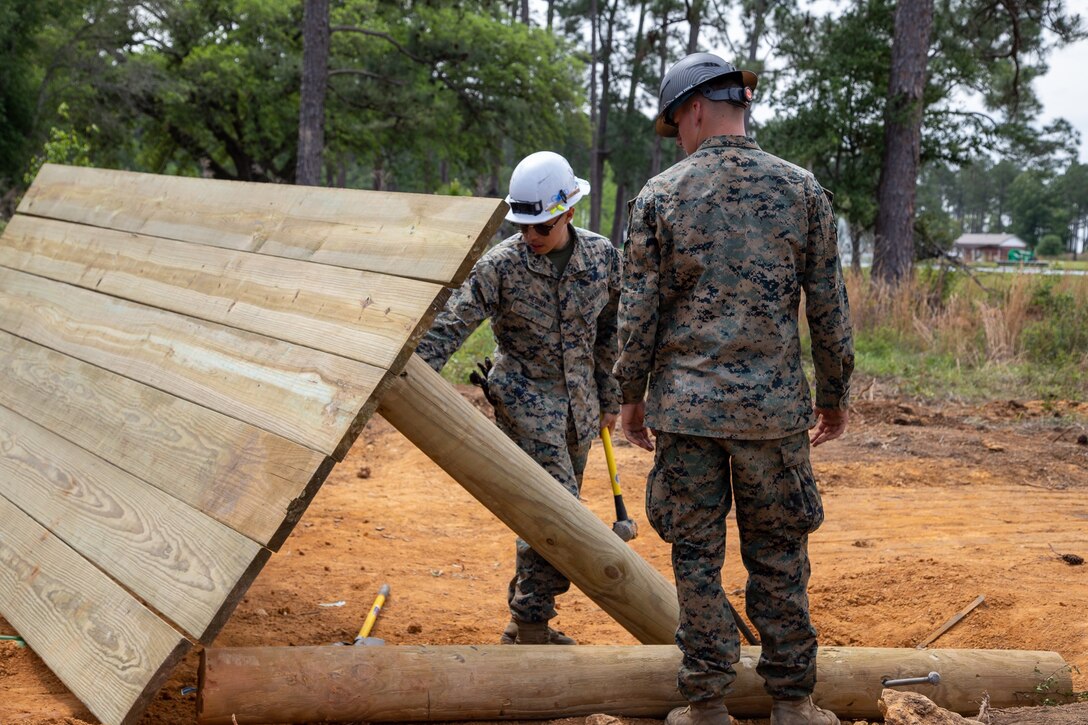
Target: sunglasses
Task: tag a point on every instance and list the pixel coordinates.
(541, 229)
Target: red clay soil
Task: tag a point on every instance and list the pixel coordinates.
(927, 505)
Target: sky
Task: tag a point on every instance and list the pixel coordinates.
(1062, 90)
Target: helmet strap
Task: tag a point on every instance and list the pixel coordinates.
(740, 97)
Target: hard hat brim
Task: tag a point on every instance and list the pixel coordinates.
(667, 130)
(552, 212)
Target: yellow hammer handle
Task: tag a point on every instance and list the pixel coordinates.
(606, 437)
(373, 616)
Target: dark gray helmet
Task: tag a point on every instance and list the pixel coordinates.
(691, 72)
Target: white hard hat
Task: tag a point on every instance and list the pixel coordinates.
(542, 187)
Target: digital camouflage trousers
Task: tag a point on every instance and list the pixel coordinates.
(694, 483)
(536, 583)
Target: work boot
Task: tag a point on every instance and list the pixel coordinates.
(801, 712)
(510, 635)
(532, 633)
(704, 712)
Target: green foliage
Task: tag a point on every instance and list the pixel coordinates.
(1059, 335)
(1050, 245)
(1035, 207)
(931, 338)
(453, 85)
(453, 188)
(65, 146)
(1047, 694)
(480, 344)
(834, 103)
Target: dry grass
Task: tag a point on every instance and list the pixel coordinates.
(974, 324)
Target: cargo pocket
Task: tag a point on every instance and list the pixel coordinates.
(802, 498)
(659, 510)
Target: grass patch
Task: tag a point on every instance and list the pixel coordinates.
(946, 336)
(480, 344)
(995, 336)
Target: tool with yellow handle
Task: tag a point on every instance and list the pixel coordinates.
(624, 527)
(363, 639)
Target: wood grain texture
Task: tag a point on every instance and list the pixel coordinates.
(420, 236)
(359, 315)
(106, 647)
(184, 361)
(462, 441)
(309, 397)
(449, 683)
(179, 561)
(255, 482)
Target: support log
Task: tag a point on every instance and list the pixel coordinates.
(495, 682)
(462, 441)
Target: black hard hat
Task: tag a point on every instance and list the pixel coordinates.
(691, 72)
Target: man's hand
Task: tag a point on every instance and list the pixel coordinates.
(830, 424)
(633, 416)
(608, 420)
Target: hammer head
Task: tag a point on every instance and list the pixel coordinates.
(626, 529)
(368, 642)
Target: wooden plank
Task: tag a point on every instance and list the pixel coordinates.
(255, 482)
(107, 648)
(426, 237)
(951, 622)
(184, 564)
(313, 398)
(359, 315)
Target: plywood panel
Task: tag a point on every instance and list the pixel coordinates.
(313, 398)
(179, 561)
(253, 481)
(427, 237)
(106, 647)
(360, 315)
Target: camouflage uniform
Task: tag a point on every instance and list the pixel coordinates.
(720, 247)
(555, 346)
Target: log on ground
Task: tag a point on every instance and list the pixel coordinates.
(495, 682)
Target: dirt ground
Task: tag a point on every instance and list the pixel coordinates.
(928, 506)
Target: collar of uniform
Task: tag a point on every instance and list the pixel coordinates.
(540, 264)
(741, 142)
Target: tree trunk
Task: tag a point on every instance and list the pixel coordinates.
(695, 21)
(893, 252)
(315, 74)
(619, 215)
(757, 12)
(600, 133)
(658, 152)
(496, 682)
(855, 248)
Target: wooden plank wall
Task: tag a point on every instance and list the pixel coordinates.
(184, 361)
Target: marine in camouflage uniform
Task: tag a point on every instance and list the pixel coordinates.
(555, 336)
(719, 249)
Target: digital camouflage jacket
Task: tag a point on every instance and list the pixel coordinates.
(719, 248)
(555, 336)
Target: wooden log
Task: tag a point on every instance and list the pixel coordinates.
(421, 683)
(432, 414)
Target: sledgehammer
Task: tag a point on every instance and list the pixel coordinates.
(363, 639)
(624, 527)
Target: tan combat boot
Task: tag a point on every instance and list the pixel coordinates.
(510, 635)
(801, 712)
(532, 633)
(705, 712)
